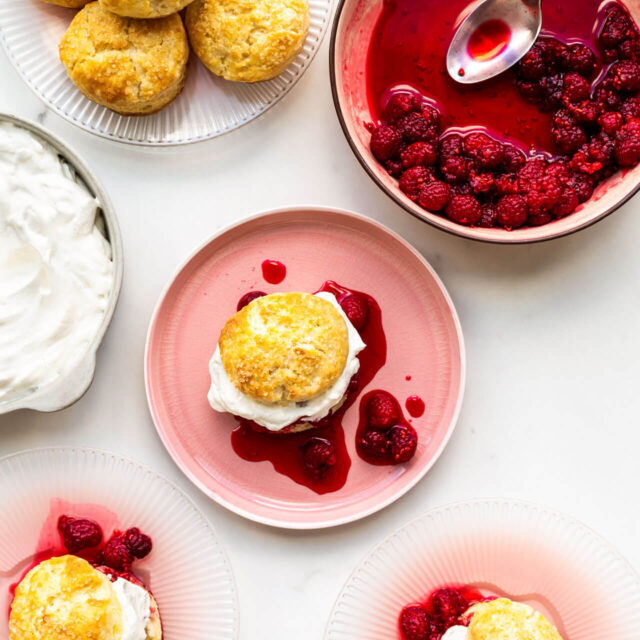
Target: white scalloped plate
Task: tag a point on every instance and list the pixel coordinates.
(188, 570)
(503, 547)
(30, 31)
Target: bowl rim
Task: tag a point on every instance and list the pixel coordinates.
(43, 399)
(297, 524)
(471, 502)
(159, 476)
(428, 217)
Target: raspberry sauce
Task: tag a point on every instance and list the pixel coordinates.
(408, 52)
(284, 451)
(273, 272)
(415, 406)
(489, 40)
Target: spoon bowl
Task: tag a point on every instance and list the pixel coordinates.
(493, 37)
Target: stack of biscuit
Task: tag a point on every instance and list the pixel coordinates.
(131, 55)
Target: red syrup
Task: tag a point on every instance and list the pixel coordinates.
(415, 406)
(284, 451)
(408, 51)
(273, 272)
(489, 40)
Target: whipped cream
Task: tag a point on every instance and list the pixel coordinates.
(225, 397)
(457, 632)
(136, 609)
(56, 272)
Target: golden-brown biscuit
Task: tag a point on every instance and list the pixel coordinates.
(65, 599)
(71, 4)
(134, 67)
(503, 619)
(144, 8)
(247, 40)
(285, 347)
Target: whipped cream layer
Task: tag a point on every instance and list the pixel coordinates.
(135, 603)
(56, 272)
(226, 398)
(457, 632)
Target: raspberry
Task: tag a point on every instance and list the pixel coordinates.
(386, 143)
(400, 104)
(451, 145)
(414, 179)
(511, 211)
(530, 90)
(374, 445)
(489, 216)
(538, 219)
(556, 53)
(507, 184)
(432, 116)
(551, 93)
(394, 168)
(463, 189)
(576, 88)
(534, 65)
(318, 457)
(629, 50)
(137, 542)
(434, 196)
(607, 97)
(625, 76)
(404, 442)
(415, 128)
(482, 183)
(514, 158)
(419, 153)
(464, 210)
(610, 55)
(631, 108)
(116, 554)
(356, 308)
(586, 112)
(627, 144)
(249, 297)
(415, 623)
(567, 203)
(560, 170)
(582, 60)
(382, 411)
(486, 152)
(617, 28)
(610, 122)
(454, 169)
(600, 149)
(532, 172)
(79, 533)
(448, 605)
(582, 185)
(569, 140)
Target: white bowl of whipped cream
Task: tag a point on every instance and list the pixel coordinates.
(60, 269)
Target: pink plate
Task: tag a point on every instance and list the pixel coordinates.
(423, 336)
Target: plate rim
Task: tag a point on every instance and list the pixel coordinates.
(531, 505)
(72, 449)
(323, 523)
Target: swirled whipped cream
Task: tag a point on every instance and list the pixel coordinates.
(135, 603)
(225, 397)
(56, 272)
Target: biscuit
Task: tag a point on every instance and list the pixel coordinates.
(247, 40)
(144, 8)
(285, 347)
(71, 4)
(133, 67)
(65, 599)
(503, 619)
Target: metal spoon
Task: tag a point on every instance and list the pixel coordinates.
(519, 19)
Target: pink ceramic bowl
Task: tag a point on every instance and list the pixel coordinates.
(353, 25)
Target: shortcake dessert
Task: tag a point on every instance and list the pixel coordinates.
(285, 361)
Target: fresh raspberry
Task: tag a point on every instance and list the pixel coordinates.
(600, 149)
(560, 170)
(374, 444)
(463, 189)
(415, 128)
(611, 122)
(514, 158)
(404, 442)
(486, 152)
(545, 196)
(386, 143)
(394, 168)
(531, 90)
(625, 76)
(586, 112)
(576, 88)
(569, 140)
(356, 308)
(454, 169)
(539, 219)
(511, 211)
(562, 119)
(432, 116)
(567, 203)
(627, 144)
(630, 108)
(610, 55)
(617, 28)
(79, 533)
(507, 184)
(489, 217)
(137, 542)
(532, 172)
(551, 93)
(116, 554)
(382, 411)
(582, 185)
(250, 297)
(464, 210)
(482, 183)
(415, 623)
(414, 179)
(629, 50)
(451, 145)
(318, 457)
(448, 605)
(556, 53)
(534, 64)
(400, 104)
(608, 97)
(434, 196)
(582, 60)
(419, 154)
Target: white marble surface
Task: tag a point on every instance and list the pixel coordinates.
(552, 409)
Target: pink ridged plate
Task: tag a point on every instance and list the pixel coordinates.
(503, 547)
(423, 337)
